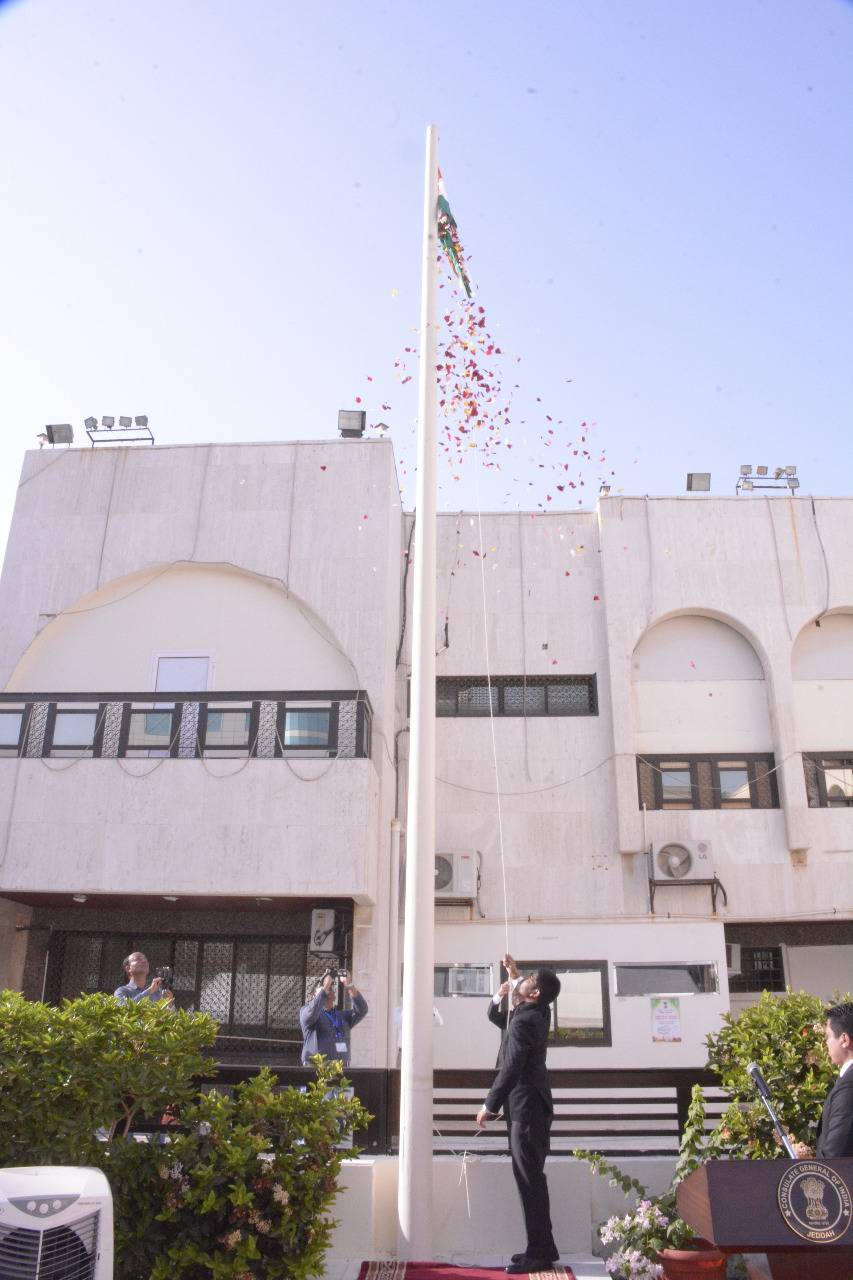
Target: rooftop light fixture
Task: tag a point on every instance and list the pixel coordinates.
(60, 433)
(604, 491)
(125, 422)
(125, 433)
(109, 423)
(746, 469)
(699, 481)
(90, 424)
(351, 423)
(781, 478)
(141, 420)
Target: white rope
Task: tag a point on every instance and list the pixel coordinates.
(491, 705)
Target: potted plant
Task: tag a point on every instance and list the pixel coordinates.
(651, 1241)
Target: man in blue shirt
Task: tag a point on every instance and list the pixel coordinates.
(136, 969)
(326, 1029)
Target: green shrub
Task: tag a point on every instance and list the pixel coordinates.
(784, 1035)
(243, 1186)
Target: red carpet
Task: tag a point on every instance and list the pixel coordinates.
(444, 1271)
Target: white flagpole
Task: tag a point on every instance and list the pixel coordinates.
(414, 1197)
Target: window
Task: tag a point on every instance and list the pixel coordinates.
(151, 732)
(707, 782)
(665, 979)
(463, 980)
(12, 724)
(73, 733)
(516, 696)
(761, 969)
(227, 730)
(307, 730)
(581, 1012)
(829, 780)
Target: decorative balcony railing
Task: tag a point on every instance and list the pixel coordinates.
(187, 726)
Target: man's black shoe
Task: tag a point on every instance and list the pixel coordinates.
(522, 1257)
(525, 1266)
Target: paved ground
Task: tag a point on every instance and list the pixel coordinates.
(584, 1265)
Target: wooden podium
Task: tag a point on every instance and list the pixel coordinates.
(798, 1212)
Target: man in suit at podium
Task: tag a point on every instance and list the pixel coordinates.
(835, 1130)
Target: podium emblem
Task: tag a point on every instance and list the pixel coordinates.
(815, 1201)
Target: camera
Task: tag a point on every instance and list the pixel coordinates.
(167, 975)
(332, 972)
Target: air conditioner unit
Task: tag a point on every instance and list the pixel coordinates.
(682, 860)
(56, 1222)
(456, 875)
(322, 931)
(733, 959)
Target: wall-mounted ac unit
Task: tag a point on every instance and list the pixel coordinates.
(56, 1221)
(733, 959)
(682, 860)
(456, 875)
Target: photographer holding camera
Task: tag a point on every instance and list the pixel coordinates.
(136, 970)
(326, 1029)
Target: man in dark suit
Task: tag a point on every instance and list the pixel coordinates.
(522, 1089)
(835, 1131)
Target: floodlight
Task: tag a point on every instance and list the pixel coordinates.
(761, 471)
(109, 423)
(746, 469)
(125, 422)
(698, 481)
(142, 420)
(778, 473)
(91, 424)
(604, 491)
(790, 471)
(793, 482)
(747, 485)
(351, 423)
(60, 433)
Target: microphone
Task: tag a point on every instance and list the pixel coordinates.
(754, 1073)
(758, 1080)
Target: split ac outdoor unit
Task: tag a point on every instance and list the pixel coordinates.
(733, 959)
(56, 1223)
(456, 875)
(683, 860)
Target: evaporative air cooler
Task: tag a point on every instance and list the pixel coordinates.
(56, 1223)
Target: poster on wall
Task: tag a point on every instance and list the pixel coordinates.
(666, 1019)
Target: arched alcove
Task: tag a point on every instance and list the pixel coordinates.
(255, 635)
(822, 669)
(698, 686)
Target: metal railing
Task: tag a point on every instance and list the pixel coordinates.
(616, 1112)
(186, 726)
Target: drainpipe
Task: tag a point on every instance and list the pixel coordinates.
(393, 942)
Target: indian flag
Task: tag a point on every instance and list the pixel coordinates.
(449, 237)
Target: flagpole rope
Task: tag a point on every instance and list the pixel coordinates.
(491, 704)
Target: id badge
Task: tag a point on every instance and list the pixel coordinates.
(340, 1046)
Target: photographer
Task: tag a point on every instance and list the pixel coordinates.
(136, 970)
(326, 1029)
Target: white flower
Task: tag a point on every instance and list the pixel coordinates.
(266, 1157)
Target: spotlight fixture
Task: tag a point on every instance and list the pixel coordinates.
(91, 424)
(125, 422)
(790, 471)
(141, 419)
(109, 423)
(747, 485)
(125, 433)
(60, 433)
(698, 481)
(351, 423)
(604, 491)
(746, 469)
(779, 478)
(793, 482)
(761, 471)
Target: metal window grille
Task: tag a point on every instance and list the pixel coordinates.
(694, 782)
(761, 969)
(516, 696)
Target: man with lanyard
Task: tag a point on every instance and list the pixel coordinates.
(326, 1029)
(135, 990)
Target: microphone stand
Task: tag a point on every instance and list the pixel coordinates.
(764, 1095)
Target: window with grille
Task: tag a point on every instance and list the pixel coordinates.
(829, 779)
(761, 969)
(707, 782)
(516, 696)
(253, 986)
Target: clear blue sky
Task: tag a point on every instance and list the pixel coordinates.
(211, 213)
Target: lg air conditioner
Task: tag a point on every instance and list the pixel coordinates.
(56, 1223)
(682, 861)
(456, 875)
